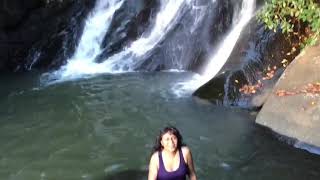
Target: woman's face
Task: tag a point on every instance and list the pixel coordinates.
(169, 142)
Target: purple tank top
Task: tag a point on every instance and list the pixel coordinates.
(179, 174)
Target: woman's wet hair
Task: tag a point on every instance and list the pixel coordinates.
(171, 129)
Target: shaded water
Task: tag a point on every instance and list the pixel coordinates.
(104, 127)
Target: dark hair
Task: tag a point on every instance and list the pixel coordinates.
(158, 147)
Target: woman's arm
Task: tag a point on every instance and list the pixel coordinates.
(153, 167)
(192, 172)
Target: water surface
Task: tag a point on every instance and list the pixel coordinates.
(103, 127)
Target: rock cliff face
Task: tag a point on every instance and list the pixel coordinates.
(189, 43)
(39, 33)
(128, 23)
(43, 34)
(192, 34)
(293, 107)
(256, 62)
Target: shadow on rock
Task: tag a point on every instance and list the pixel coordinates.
(128, 174)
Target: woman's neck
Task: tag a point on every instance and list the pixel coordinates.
(170, 153)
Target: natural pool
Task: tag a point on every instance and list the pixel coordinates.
(103, 127)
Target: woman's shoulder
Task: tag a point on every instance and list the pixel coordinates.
(186, 152)
(154, 161)
(155, 157)
(156, 153)
(185, 149)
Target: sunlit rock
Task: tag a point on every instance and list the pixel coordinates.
(293, 107)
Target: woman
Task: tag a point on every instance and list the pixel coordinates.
(171, 159)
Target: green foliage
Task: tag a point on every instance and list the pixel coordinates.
(291, 15)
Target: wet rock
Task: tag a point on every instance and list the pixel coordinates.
(222, 21)
(252, 69)
(187, 46)
(39, 33)
(129, 22)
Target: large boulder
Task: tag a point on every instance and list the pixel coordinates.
(293, 107)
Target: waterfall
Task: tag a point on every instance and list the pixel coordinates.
(164, 22)
(125, 60)
(170, 13)
(83, 61)
(218, 59)
(95, 29)
(88, 48)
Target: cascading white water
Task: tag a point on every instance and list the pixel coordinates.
(198, 12)
(89, 47)
(218, 59)
(126, 59)
(164, 22)
(96, 26)
(225, 49)
(95, 29)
